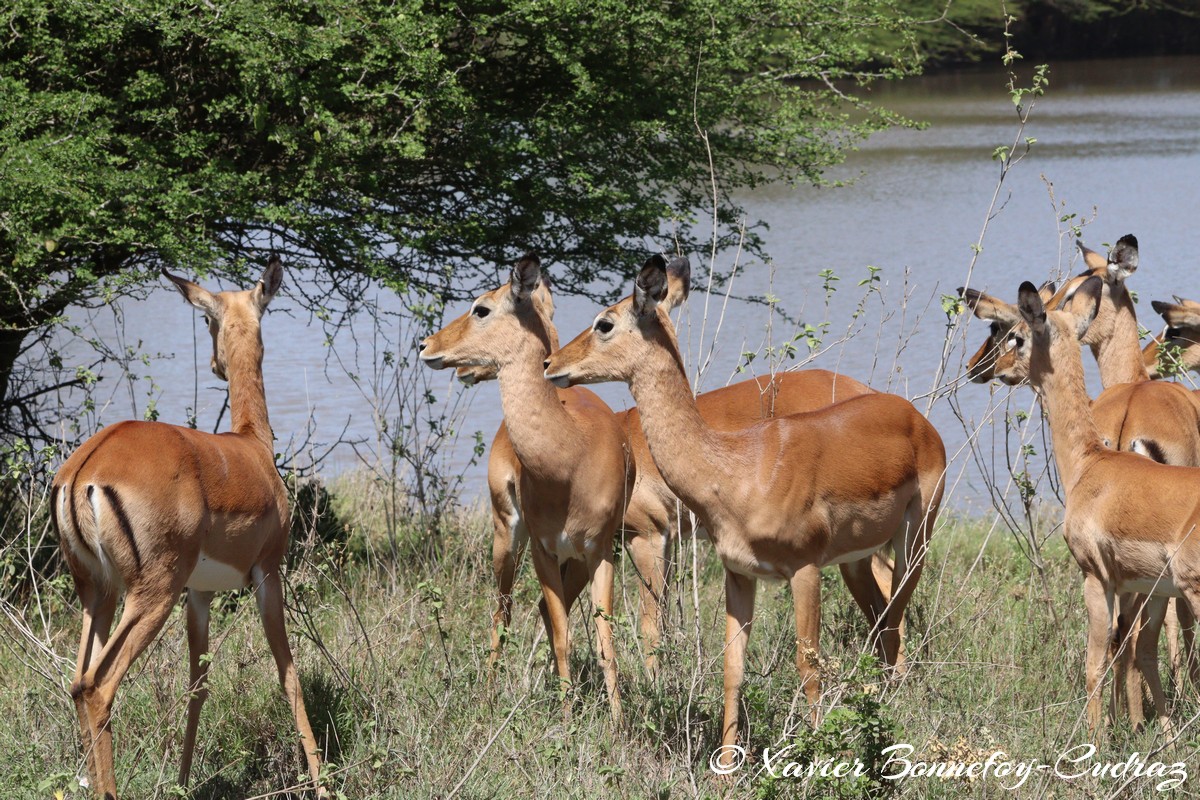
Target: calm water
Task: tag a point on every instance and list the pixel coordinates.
(1119, 142)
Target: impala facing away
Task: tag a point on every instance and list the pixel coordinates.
(1143, 541)
(576, 471)
(1133, 413)
(782, 498)
(151, 509)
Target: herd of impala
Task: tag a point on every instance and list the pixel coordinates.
(784, 475)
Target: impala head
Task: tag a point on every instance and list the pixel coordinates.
(470, 375)
(1003, 355)
(1179, 341)
(1121, 262)
(489, 335)
(622, 335)
(1052, 335)
(1002, 317)
(232, 317)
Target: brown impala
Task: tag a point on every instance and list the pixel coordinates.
(151, 509)
(1143, 541)
(782, 498)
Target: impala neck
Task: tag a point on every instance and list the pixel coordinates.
(685, 449)
(247, 397)
(1120, 355)
(544, 436)
(1073, 432)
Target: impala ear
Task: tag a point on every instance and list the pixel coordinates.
(1085, 304)
(650, 287)
(1177, 316)
(1047, 291)
(1091, 259)
(526, 274)
(268, 284)
(679, 281)
(1123, 259)
(1033, 310)
(198, 296)
(989, 308)
(545, 295)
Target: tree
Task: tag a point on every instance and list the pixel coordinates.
(419, 144)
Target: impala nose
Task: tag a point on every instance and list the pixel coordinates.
(546, 364)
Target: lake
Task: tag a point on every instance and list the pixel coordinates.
(1118, 145)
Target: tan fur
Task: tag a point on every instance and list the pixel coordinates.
(1124, 541)
(650, 515)
(1132, 414)
(782, 498)
(141, 505)
(1182, 331)
(576, 471)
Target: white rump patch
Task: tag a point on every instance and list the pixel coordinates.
(210, 575)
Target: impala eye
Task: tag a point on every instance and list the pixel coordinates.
(604, 326)
(1171, 333)
(1015, 342)
(481, 311)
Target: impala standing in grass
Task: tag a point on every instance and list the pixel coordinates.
(576, 469)
(782, 498)
(152, 510)
(1144, 541)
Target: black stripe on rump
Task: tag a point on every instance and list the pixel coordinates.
(76, 531)
(110, 494)
(1153, 450)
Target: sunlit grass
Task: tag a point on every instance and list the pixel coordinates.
(392, 655)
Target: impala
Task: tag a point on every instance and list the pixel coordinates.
(151, 509)
(1157, 420)
(1124, 541)
(1182, 333)
(651, 515)
(782, 498)
(576, 471)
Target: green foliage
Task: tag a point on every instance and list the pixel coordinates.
(1170, 360)
(857, 730)
(415, 144)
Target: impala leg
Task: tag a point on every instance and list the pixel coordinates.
(1191, 598)
(1099, 602)
(1127, 678)
(508, 545)
(146, 610)
(602, 596)
(269, 593)
(739, 612)
(546, 567)
(861, 580)
(647, 548)
(1147, 655)
(910, 547)
(574, 576)
(1187, 625)
(806, 597)
(198, 606)
(883, 568)
(99, 608)
(1174, 656)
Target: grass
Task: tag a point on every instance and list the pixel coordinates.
(392, 654)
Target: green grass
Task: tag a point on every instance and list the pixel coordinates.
(392, 654)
